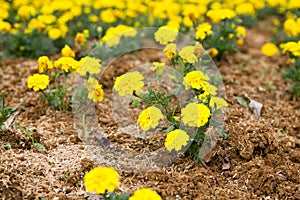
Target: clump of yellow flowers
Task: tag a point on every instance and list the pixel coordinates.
(52, 76)
(161, 110)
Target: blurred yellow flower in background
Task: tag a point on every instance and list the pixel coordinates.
(203, 30)
(67, 52)
(269, 49)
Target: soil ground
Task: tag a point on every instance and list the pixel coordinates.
(264, 153)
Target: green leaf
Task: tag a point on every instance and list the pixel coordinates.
(244, 101)
(122, 197)
(40, 146)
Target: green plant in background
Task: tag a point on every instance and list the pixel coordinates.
(292, 50)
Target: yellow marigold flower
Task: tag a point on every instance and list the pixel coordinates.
(292, 27)
(67, 52)
(90, 65)
(203, 30)
(47, 19)
(4, 26)
(170, 50)
(91, 84)
(240, 42)
(68, 64)
(96, 94)
(54, 33)
(114, 34)
(195, 114)
(217, 102)
(25, 11)
(240, 32)
(149, 118)
(187, 22)
(80, 39)
(44, 63)
(176, 139)
(38, 82)
(157, 66)
(269, 49)
(292, 47)
(220, 14)
(213, 52)
(245, 8)
(166, 34)
(208, 90)
(128, 83)
(187, 54)
(101, 179)
(145, 194)
(194, 79)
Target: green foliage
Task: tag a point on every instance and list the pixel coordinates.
(28, 45)
(57, 96)
(293, 74)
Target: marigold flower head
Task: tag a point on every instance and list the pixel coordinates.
(67, 52)
(145, 194)
(269, 49)
(4, 26)
(113, 34)
(54, 33)
(149, 118)
(217, 15)
(240, 32)
(292, 47)
(208, 90)
(195, 114)
(203, 30)
(292, 27)
(38, 82)
(101, 179)
(187, 54)
(166, 34)
(157, 66)
(91, 84)
(128, 83)
(176, 139)
(96, 94)
(44, 64)
(194, 79)
(170, 50)
(68, 64)
(90, 65)
(80, 39)
(199, 50)
(213, 52)
(217, 102)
